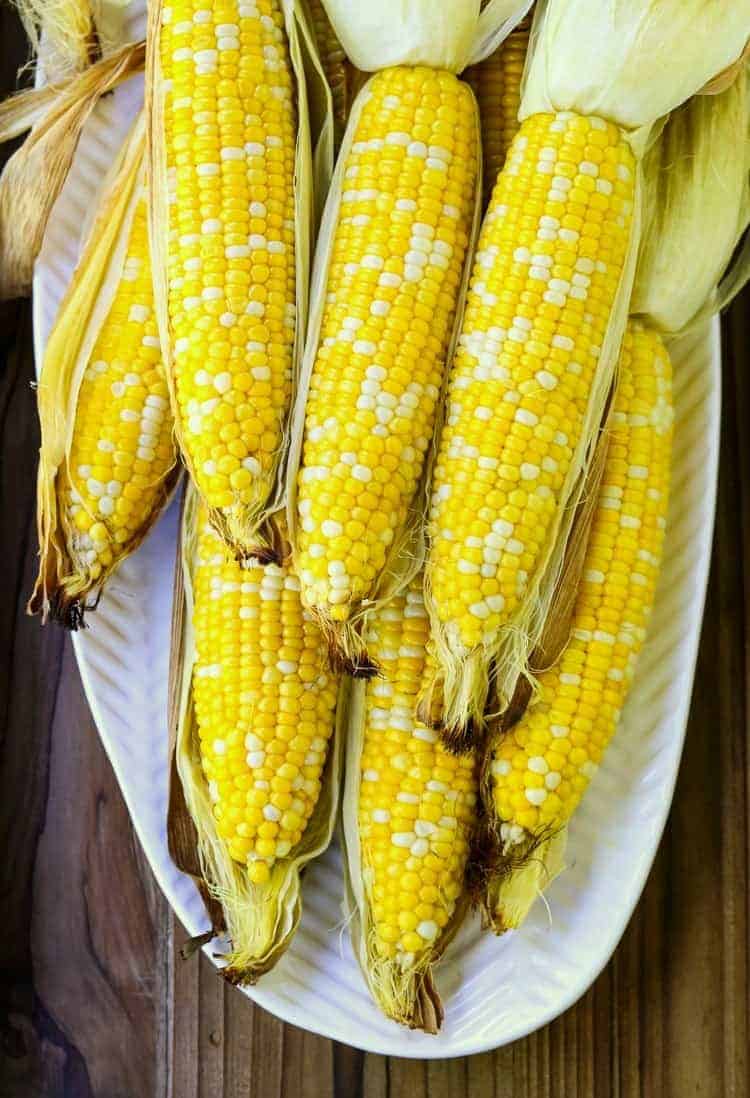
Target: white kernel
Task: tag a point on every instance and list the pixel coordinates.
(427, 929)
(536, 796)
(403, 838)
(419, 848)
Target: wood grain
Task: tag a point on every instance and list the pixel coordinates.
(95, 1000)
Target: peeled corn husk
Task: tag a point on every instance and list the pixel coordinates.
(63, 31)
(696, 208)
(630, 64)
(260, 920)
(63, 588)
(34, 175)
(238, 526)
(395, 33)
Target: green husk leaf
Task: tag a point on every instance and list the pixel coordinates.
(245, 528)
(34, 175)
(629, 63)
(260, 920)
(64, 587)
(696, 208)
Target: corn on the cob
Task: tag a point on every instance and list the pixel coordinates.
(108, 462)
(337, 70)
(253, 751)
(543, 325)
(542, 766)
(548, 264)
(229, 130)
(395, 271)
(496, 82)
(410, 811)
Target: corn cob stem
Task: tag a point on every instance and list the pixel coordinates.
(540, 768)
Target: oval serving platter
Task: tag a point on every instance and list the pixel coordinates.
(494, 990)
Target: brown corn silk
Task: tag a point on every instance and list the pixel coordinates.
(371, 433)
(225, 685)
(593, 70)
(34, 175)
(230, 399)
(107, 462)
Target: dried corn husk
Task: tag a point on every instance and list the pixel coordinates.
(630, 64)
(696, 208)
(62, 31)
(34, 175)
(260, 920)
(393, 33)
(242, 527)
(64, 585)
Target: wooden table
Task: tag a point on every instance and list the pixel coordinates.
(95, 1001)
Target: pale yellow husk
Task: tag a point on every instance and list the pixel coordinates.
(261, 920)
(407, 551)
(696, 208)
(35, 174)
(447, 35)
(406, 994)
(62, 588)
(510, 896)
(62, 32)
(242, 527)
(630, 64)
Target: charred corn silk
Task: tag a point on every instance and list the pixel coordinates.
(121, 447)
(542, 767)
(545, 275)
(417, 803)
(230, 128)
(398, 249)
(264, 702)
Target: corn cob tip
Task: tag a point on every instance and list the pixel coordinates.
(528, 866)
(346, 649)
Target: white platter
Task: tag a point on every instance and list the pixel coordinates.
(495, 990)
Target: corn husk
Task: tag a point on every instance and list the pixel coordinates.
(449, 35)
(631, 64)
(260, 920)
(34, 175)
(64, 589)
(63, 32)
(242, 527)
(406, 553)
(409, 996)
(367, 33)
(696, 208)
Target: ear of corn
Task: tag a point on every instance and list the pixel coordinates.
(385, 294)
(230, 221)
(107, 463)
(696, 208)
(409, 811)
(256, 715)
(544, 319)
(525, 393)
(496, 82)
(541, 767)
(34, 175)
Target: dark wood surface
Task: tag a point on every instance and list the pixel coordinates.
(95, 1001)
